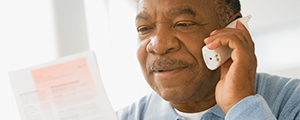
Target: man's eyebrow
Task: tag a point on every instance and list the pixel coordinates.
(181, 10)
(142, 16)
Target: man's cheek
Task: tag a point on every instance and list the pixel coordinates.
(142, 56)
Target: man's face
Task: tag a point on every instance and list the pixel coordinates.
(171, 34)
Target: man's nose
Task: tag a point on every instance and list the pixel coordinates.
(163, 42)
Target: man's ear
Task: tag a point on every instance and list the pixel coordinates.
(235, 16)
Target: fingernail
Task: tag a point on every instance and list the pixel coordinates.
(206, 40)
(213, 32)
(208, 45)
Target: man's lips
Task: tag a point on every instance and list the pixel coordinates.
(167, 71)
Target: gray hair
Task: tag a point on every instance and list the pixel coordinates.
(226, 9)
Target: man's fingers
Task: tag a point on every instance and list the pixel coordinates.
(230, 37)
(240, 26)
(225, 38)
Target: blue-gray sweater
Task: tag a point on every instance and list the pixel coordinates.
(276, 98)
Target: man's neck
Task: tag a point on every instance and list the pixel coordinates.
(202, 100)
(195, 106)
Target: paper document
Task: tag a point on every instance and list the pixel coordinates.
(69, 88)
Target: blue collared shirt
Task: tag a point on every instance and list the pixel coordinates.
(276, 98)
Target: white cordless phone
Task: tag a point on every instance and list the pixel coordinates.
(215, 58)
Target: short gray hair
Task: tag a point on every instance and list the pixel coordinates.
(226, 9)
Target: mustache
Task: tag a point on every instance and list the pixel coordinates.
(167, 62)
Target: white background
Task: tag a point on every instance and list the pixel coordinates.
(37, 31)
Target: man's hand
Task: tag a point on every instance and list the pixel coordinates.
(238, 73)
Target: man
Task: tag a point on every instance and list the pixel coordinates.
(171, 36)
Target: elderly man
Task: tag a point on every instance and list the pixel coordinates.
(171, 36)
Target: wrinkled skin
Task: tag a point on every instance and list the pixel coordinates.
(171, 36)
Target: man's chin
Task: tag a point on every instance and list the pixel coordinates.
(174, 95)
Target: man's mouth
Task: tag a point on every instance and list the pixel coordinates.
(165, 69)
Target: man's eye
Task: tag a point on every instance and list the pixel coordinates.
(185, 24)
(143, 29)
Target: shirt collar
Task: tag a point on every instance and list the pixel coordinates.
(160, 109)
(217, 111)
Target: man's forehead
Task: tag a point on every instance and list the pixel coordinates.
(174, 11)
(141, 3)
(188, 7)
